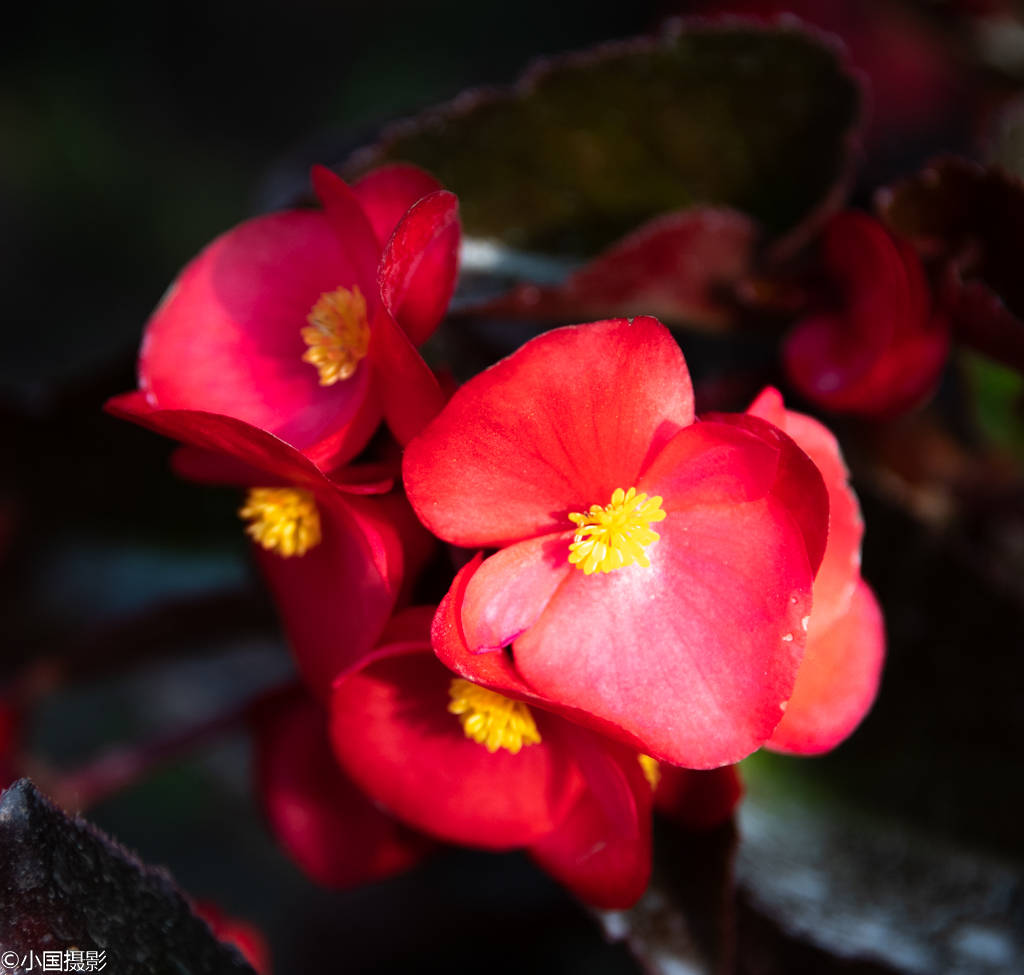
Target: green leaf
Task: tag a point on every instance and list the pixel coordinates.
(588, 146)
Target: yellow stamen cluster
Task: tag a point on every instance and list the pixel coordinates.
(491, 719)
(338, 334)
(651, 769)
(282, 520)
(615, 536)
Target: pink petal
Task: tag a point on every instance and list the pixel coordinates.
(798, 484)
(839, 571)
(419, 265)
(393, 734)
(509, 591)
(838, 679)
(387, 193)
(695, 655)
(556, 427)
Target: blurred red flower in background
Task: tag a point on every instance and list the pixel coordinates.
(874, 344)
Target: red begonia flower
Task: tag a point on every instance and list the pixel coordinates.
(842, 665)
(246, 937)
(689, 658)
(470, 766)
(270, 325)
(879, 347)
(327, 825)
(337, 595)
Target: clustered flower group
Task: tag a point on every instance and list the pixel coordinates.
(635, 598)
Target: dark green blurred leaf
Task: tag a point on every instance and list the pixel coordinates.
(65, 884)
(998, 400)
(588, 146)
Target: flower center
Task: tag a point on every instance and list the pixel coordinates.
(338, 334)
(282, 520)
(616, 535)
(651, 769)
(491, 719)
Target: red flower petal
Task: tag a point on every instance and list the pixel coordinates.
(392, 732)
(227, 338)
(329, 828)
(698, 800)
(838, 679)
(495, 669)
(881, 350)
(840, 567)
(335, 600)
(798, 483)
(410, 392)
(693, 656)
(556, 427)
(507, 594)
(602, 857)
(254, 449)
(352, 228)
(387, 193)
(419, 265)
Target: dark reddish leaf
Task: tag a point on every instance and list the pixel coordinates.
(678, 267)
(589, 146)
(64, 884)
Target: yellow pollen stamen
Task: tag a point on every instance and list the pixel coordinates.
(338, 335)
(616, 535)
(282, 520)
(651, 769)
(491, 719)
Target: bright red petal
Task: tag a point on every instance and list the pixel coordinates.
(694, 655)
(410, 392)
(335, 600)
(392, 732)
(880, 350)
(419, 265)
(797, 484)
(495, 669)
(227, 337)
(698, 800)
(353, 230)
(556, 427)
(838, 679)
(603, 857)
(329, 828)
(243, 446)
(387, 193)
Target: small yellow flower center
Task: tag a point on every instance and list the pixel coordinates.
(283, 520)
(616, 535)
(651, 769)
(338, 334)
(491, 719)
